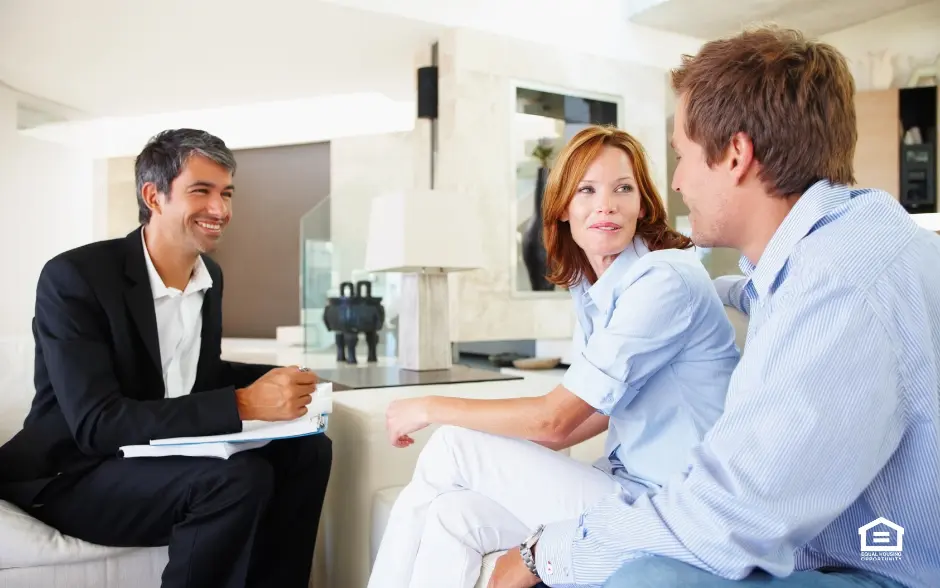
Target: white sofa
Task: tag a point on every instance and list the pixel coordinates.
(33, 554)
(367, 475)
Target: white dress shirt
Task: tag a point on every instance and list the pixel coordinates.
(179, 325)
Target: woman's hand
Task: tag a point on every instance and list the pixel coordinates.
(404, 417)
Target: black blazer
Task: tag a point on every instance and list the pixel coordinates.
(99, 384)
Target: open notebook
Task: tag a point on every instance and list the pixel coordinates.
(254, 434)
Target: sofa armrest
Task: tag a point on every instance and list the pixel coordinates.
(589, 451)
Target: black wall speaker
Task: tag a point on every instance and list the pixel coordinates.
(918, 178)
(918, 169)
(427, 92)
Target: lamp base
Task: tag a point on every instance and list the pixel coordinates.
(424, 323)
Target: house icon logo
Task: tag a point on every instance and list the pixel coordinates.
(881, 535)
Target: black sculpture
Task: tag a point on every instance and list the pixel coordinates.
(533, 248)
(351, 314)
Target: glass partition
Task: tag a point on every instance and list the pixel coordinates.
(328, 261)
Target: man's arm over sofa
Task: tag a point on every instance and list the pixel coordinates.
(731, 291)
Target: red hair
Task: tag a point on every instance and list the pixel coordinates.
(567, 263)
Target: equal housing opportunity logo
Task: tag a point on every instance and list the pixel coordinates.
(881, 540)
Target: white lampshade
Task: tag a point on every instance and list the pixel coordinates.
(423, 230)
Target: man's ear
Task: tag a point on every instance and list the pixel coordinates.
(740, 156)
(151, 197)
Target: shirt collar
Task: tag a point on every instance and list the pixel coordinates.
(199, 280)
(603, 291)
(818, 202)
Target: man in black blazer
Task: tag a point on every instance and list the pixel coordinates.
(128, 343)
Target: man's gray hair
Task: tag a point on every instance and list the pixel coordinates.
(164, 156)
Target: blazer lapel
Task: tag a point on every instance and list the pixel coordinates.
(139, 296)
(211, 330)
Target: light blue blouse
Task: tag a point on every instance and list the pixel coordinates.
(654, 351)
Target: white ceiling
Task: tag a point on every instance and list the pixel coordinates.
(129, 57)
(94, 58)
(709, 19)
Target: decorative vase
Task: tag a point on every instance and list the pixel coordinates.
(533, 248)
(351, 314)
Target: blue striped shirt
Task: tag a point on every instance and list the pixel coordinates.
(831, 429)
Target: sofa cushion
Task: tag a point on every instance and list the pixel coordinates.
(139, 568)
(16, 383)
(27, 542)
(486, 570)
(381, 510)
(382, 507)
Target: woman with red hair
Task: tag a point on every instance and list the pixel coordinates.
(652, 360)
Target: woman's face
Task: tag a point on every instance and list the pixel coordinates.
(603, 212)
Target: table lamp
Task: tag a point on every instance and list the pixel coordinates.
(424, 235)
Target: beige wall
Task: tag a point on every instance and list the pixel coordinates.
(47, 205)
(477, 72)
(361, 168)
(260, 254)
(122, 197)
(892, 47)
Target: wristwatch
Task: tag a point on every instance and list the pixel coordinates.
(526, 550)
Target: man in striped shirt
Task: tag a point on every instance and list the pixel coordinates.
(824, 470)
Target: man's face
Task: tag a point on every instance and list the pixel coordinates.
(707, 191)
(199, 205)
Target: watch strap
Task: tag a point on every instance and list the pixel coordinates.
(525, 549)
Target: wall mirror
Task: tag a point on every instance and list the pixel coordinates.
(543, 120)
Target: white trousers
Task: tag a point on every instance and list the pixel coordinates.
(472, 494)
